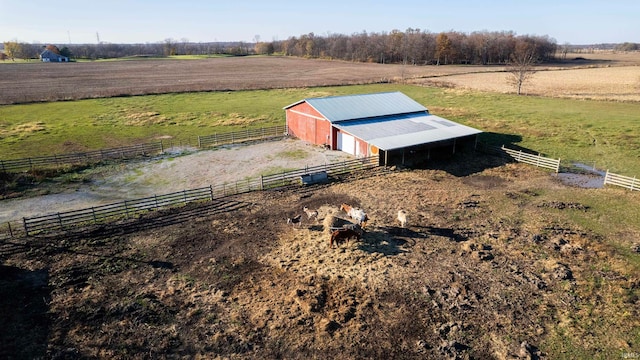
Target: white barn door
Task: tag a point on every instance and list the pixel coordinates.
(346, 143)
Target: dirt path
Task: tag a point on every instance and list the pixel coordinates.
(175, 173)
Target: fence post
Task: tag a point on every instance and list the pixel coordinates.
(9, 226)
(261, 183)
(199, 143)
(60, 221)
(606, 177)
(633, 183)
(26, 227)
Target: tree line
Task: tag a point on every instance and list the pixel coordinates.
(412, 46)
(169, 47)
(415, 47)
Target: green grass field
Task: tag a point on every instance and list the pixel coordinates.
(606, 134)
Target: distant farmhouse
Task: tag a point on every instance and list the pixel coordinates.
(50, 56)
(391, 125)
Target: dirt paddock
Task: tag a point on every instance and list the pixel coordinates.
(488, 267)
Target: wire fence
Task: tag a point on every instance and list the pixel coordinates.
(128, 209)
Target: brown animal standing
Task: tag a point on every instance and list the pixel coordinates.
(343, 235)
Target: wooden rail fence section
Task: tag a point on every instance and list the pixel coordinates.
(239, 136)
(520, 156)
(127, 152)
(627, 182)
(129, 209)
(56, 161)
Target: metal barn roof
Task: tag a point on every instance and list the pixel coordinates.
(350, 107)
(399, 131)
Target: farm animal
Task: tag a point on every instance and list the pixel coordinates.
(295, 220)
(402, 218)
(310, 213)
(356, 214)
(343, 235)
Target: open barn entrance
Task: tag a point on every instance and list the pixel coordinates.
(420, 155)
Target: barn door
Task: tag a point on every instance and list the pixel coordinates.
(346, 143)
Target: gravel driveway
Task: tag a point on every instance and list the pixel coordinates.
(175, 173)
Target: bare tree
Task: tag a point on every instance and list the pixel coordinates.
(521, 67)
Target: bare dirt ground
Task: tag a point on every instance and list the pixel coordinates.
(179, 169)
(491, 266)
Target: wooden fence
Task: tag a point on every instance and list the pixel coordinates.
(127, 152)
(520, 156)
(627, 182)
(57, 161)
(240, 136)
(128, 209)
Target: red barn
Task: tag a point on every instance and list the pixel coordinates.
(387, 124)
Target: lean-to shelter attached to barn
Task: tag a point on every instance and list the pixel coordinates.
(389, 124)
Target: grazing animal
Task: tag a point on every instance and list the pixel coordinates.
(310, 213)
(356, 214)
(402, 218)
(342, 235)
(295, 220)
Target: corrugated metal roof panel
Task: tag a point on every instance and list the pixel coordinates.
(350, 107)
(395, 132)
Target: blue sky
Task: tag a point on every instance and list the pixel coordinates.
(147, 21)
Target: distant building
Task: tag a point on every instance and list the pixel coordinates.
(50, 56)
(390, 125)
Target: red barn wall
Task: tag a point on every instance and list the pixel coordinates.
(305, 123)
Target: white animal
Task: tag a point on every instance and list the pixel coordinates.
(402, 218)
(310, 213)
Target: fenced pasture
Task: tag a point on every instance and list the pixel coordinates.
(128, 209)
(128, 152)
(82, 158)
